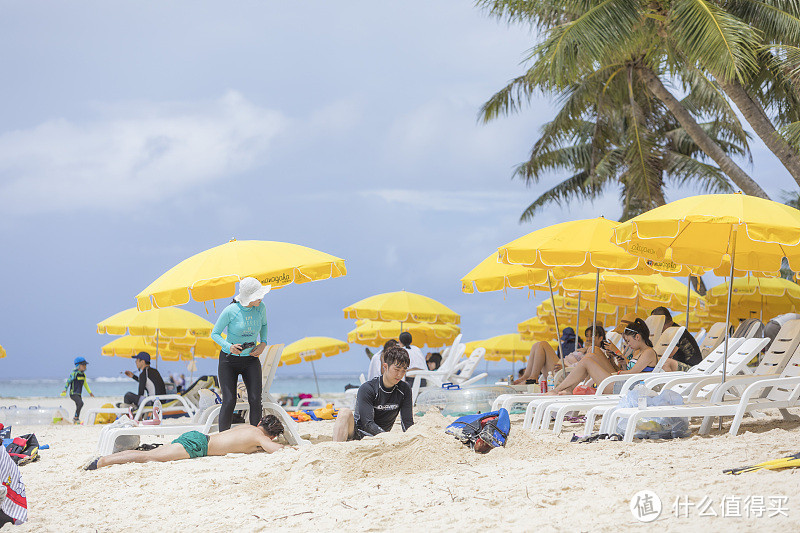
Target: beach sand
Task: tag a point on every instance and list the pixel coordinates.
(418, 479)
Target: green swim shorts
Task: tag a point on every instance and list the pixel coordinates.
(194, 442)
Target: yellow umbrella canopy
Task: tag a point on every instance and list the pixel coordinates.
(764, 296)
(167, 322)
(511, 347)
(534, 325)
(204, 347)
(491, 275)
(708, 230)
(311, 349)
(633, 290)
(129, 345)
(576, 247)
(375, 333)
(2, 352)
(214, 273)
(697, 321)
(404, 307)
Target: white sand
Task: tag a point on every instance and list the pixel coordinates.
(422, 478)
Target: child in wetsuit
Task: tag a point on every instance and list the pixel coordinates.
(74, 387)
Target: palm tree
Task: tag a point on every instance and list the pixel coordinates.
(611, 132)
(726, 42)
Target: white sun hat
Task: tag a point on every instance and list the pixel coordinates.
(251, 290)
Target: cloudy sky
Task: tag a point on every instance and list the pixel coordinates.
(136, 134)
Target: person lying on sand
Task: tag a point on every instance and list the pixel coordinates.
(379, 401)
(241, 439)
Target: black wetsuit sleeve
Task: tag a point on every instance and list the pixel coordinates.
(407, 410)
(365, 410)
(142, 381)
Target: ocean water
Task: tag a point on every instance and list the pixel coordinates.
(118, 386)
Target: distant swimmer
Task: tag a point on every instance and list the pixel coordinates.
(241, 439)
(379, 401)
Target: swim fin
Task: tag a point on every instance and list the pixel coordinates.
(790, 461)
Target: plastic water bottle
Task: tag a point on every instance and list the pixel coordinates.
(550, 381)
(643, 394)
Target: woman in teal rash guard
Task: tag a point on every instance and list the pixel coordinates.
(246, 321)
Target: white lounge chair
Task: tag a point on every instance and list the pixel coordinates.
(715, 335)
(205, 422)
(539, 413)
(461, 374)
(683, 382)
(666, 343)
(761, 393)
(450, 359)
(737, 356)
(700, 336)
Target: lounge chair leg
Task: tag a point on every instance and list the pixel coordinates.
(290, 426)
(789, 417)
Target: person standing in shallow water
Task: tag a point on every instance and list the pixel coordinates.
(245, 320)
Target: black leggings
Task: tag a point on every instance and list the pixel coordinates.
(230, 368)
(78, 404)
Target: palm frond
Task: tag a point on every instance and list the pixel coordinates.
(717, 40)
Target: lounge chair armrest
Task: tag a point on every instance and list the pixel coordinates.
(732, 381)
(473, 379)
(423, 373)
(759, 385)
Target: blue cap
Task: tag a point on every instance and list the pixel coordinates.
(144, 356)
(80, 361)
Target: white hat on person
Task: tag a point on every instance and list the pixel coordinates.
(250, 290)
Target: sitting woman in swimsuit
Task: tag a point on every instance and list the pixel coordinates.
(543, 358)
(600, 366)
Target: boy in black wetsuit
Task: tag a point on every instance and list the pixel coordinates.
(74, 387)
(379, 401)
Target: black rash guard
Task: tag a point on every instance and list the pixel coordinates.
(150, 380)
(377, 407)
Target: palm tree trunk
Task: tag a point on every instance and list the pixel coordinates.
(706, 143)
(762, 125)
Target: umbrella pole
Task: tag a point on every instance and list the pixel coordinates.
(688, 297)
(596, 295)
(316, 382)
(157, 348)
(555, 319)
(578, 321)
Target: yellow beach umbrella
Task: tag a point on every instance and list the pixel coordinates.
(214, 273)
(203, 347)
(167, 322)
(491, 275)
(576, 247)
(534, 325)
(375, 333)
(2, 352)
(766, 297)
(731, 234)
(310, 349)
(129, 345)
(404, 307)
(707, 230)
(511, 347)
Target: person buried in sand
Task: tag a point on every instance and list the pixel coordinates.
(241, 439)
(379, 401)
